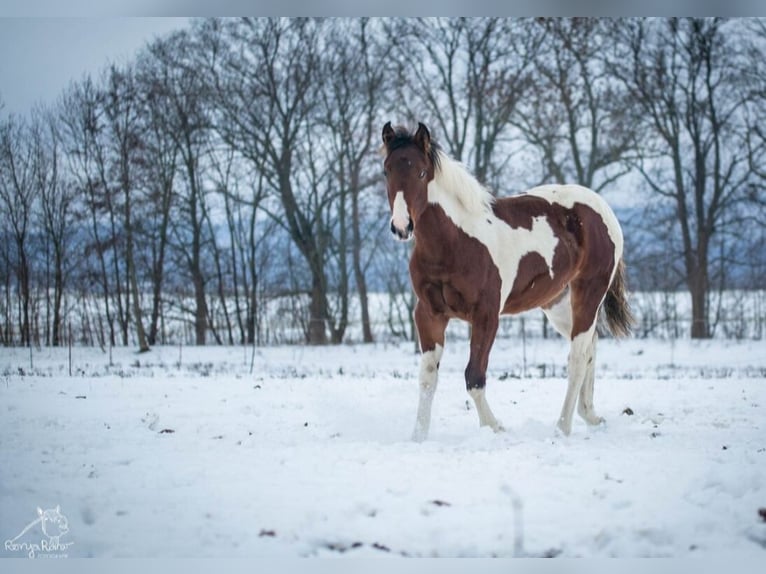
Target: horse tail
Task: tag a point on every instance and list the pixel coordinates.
(619, 317)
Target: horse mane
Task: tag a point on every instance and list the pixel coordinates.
(452, 177)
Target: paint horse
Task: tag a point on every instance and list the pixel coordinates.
(558, 247)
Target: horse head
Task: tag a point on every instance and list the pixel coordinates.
(409, 165)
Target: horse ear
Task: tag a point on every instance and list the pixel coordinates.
(388, 133)
(423, 138)
(39, 511)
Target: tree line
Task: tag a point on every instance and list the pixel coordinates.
(231, 168)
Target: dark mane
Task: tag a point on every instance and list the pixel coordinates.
(403, 138)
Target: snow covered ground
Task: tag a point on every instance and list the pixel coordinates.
(310, 455)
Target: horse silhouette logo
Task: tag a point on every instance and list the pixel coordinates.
(53, 525)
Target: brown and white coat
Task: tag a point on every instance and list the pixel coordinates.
(558, 247)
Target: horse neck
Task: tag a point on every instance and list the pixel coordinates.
(435, 233)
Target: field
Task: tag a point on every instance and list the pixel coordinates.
(183, 452)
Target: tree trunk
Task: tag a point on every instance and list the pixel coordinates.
(359, 277)
(200, 316)
(26, 338)
(58, 292)
(158, 272)
(698, 287)
(143, 345)
(317, 333)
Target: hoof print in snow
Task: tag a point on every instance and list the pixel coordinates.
(150, 420)
(267, 533)
(81, 397)
(381, 547)
(628, 411)
(762, 513)
(438, 502)
(167, 431)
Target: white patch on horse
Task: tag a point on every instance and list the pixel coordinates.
(400, 214)
(560, 316)
(429, 375)
(486, 418)
(469, 206)
(568, 195)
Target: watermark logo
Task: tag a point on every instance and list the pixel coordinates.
(53, 526)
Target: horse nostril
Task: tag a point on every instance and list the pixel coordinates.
(403, 234)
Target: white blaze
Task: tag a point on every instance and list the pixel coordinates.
(401, 216)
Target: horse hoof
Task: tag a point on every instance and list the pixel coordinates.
(566, 430)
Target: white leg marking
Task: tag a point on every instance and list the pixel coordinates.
(400, 215)
(429, 375)
(579, 352)
(585, 404)
(486, 418)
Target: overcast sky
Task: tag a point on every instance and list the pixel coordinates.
(39, 57)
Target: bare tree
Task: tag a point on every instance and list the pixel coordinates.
(357, 76)
(122, 107)
(18, 194)
(81, 127)
(756, 141)
(469, 75)
(57, 214)
(267, 80)
(160, 173)
(187, 121)
(685, 77)
(579, 119)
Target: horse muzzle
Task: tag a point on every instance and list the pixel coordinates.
(404, 234)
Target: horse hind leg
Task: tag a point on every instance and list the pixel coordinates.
(560, 316)
(585, 403)
(586, 297)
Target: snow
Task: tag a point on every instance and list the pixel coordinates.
(310, 455)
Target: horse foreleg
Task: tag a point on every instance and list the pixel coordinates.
(482, 337)
(431, 327)
(429, 375)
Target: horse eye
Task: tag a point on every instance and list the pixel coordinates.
(422, 174)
